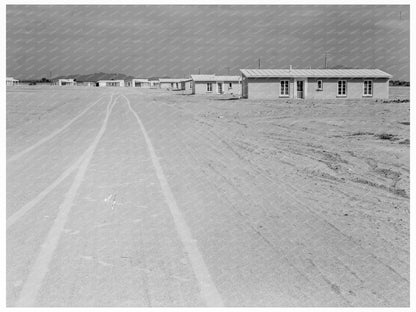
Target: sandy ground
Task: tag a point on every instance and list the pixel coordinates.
(123, 197)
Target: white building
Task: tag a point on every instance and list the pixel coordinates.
(154, 84)
(110, 83)
(292, 83)
(212, 84)
(175, 83)
(64, 82)
(140, 83)
(10, 81)
(86, 83)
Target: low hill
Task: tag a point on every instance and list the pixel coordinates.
(96, 77)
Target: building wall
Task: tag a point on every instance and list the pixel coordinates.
(86, 84)
(265, 88)
(269, 88)
(165, 85)
(381, 88)
(235, 89)
(143, 84)
(168, 85)
(201, 87)
(106, 83)
(355, 88)
(154, 84)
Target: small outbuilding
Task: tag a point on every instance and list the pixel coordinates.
(154, 84)
(212, 84)
(86, 83)
(140, 83)
(10, 81)
(315, 83)
(64, 82)
(175, 84)
(110, 83)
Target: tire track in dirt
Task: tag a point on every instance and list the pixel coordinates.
(208, 289)
(53, 134)
(38, 271)
(301, 204)
(32, 203)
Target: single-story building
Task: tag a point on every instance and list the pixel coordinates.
(110, 83)
(10, 81)
(86, 83)
(140, 83)
(64, 82)
(212, 84)
(315, 83)
(175, 83)
(154, 84)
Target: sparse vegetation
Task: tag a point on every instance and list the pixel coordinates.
(405, 141)
(387, 136)
(362, 133)
(397, 101)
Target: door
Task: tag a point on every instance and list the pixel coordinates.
(219, 88)
(299, 89)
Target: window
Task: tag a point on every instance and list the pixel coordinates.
(171, 85)
(342, 88)
(320, 85)
(177, 86)
(284, 88)
(368, 88)
(230, 85)
(209, 87)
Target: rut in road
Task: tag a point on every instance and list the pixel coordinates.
(209, 291)
(53, 134)
(32, 203)
(37, 273)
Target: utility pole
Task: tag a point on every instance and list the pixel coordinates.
(199, 71)
(259, 64)
(326, 54)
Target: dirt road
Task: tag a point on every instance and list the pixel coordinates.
(123, 197)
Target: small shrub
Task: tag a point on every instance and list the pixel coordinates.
(387, 136)
(405, 141)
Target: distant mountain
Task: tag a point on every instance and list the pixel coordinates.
(96, 77)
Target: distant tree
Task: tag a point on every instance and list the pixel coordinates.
(400, 83)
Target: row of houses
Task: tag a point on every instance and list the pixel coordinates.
(271, 84)
(267, 84)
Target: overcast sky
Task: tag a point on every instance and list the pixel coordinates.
(176, 41)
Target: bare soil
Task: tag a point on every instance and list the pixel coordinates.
(290, 203)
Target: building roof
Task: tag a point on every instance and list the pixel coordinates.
(228, 78)
(110, 80)
(203, 78)
(11, 79)
(318, 73)
(140, 80)
(174, 80)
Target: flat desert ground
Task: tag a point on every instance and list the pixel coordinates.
(135, 197)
